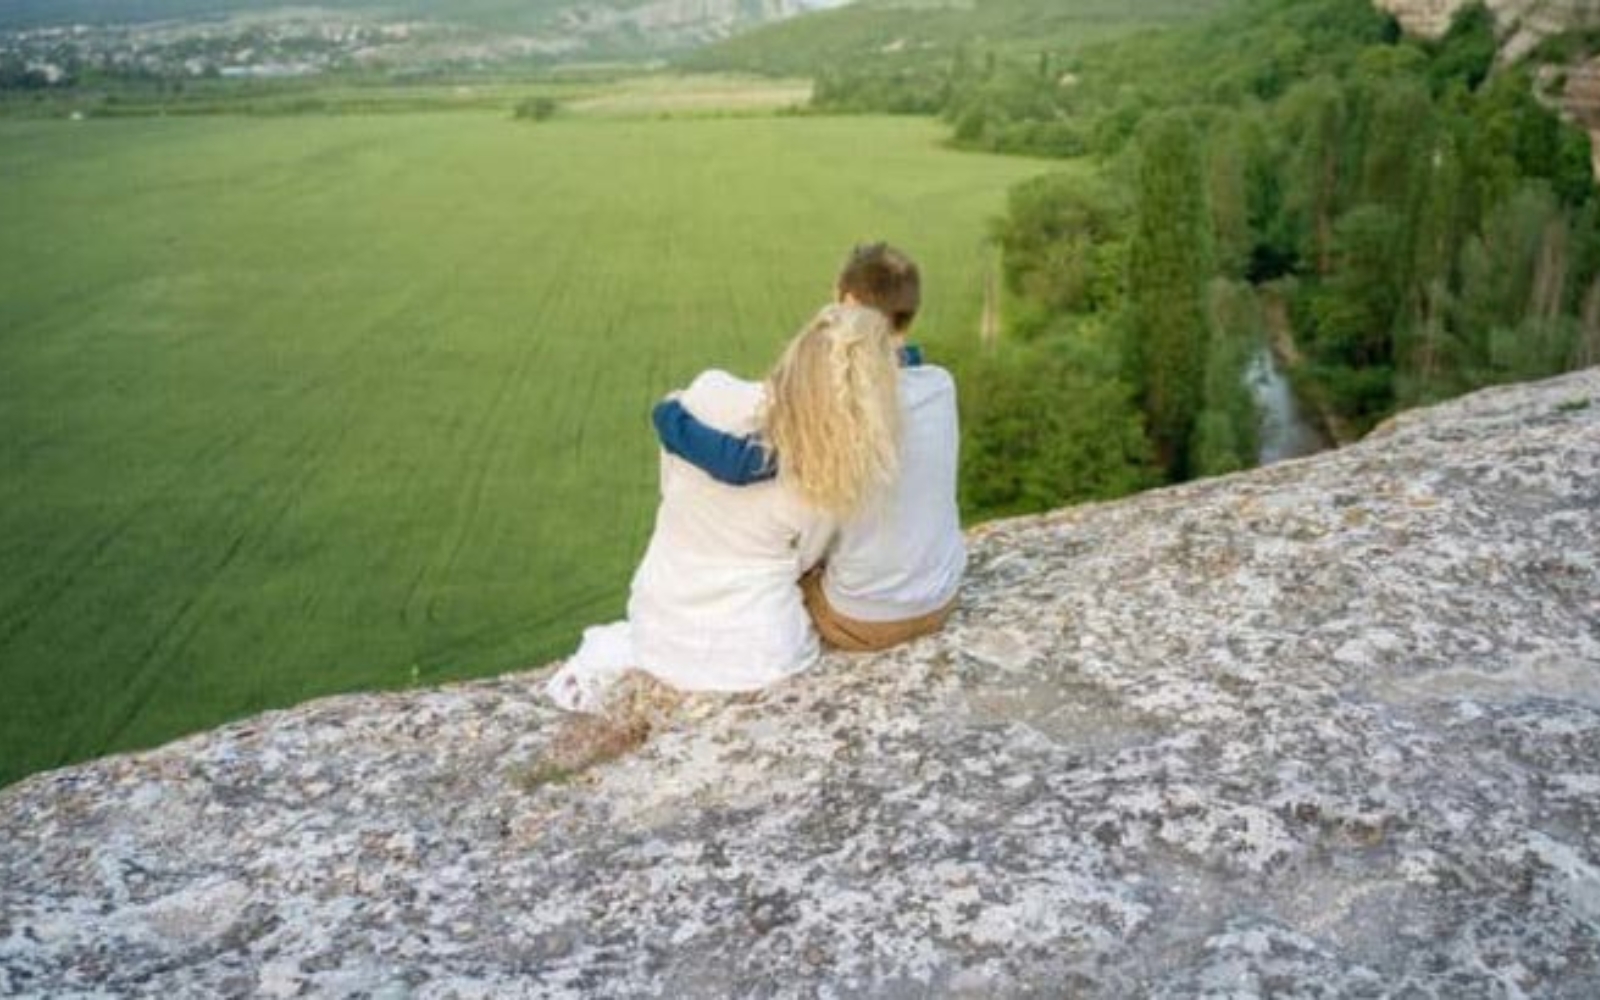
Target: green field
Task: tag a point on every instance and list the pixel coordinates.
(292, 406)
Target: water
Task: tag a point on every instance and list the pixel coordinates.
(1287, 431)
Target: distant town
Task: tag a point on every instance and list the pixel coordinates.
(256, 46)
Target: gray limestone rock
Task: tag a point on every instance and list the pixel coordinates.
(1325, 729)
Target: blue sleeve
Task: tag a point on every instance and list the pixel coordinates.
(737, 461)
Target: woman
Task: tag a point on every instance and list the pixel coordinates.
(715, 604)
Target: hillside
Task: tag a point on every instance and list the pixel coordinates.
(902, 32)
(1329, 728)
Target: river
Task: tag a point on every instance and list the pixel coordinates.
(1287, 430)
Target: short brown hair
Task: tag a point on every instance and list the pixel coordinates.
(880, 277)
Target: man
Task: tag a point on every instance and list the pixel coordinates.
(892, 573)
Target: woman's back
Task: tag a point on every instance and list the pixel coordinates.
(714, 604)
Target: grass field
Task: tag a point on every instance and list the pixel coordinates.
(592, 91)
(292, 406)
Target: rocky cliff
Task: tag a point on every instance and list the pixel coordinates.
(1325, 729)
(1524, 23)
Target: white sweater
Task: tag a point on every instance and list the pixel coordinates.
(715, 603)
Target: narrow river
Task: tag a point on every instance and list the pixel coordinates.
(1287, 430)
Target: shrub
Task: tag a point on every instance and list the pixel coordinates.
(536, 109)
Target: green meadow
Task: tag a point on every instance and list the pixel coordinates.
(293, 406)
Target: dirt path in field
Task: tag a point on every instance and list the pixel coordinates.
(989, 322)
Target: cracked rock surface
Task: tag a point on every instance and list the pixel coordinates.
(1325, 729)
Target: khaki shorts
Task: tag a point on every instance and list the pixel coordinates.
(855, 636)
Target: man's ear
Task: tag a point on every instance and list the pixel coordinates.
(845, 298)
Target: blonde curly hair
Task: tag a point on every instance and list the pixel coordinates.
(833, 409)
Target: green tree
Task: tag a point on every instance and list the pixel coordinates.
(1507, 273)
(1227, 436)
(1513, 312)
(1062, 243)
(1314, 124)
(1042, 428)
(536, 109)
(1169, 265)
(1426, 350)
(1360, 302)
(1396, 140)
(1228, 192)
(1466, 52)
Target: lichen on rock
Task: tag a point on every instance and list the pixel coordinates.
(1328, 728)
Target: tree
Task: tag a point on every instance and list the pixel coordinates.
(1314, 122)
(1397, 135)
(1062, 241)
(1228, 194)
(1466, 52)
(1586, 339)
(1360, 302)
(536, 108)
(1169, 265)
(1227, 430)
(1424, 344)
(1043, 427)
(1508, 271)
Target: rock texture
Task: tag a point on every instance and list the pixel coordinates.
(1524, 23)
(1326, 729)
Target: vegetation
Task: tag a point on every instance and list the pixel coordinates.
(1433, 224)
(589, 92)
(1048, 423)
(1167, 331)
(886, 39)
(536, 109)
(302, 405)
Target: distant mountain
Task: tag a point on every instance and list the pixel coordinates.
(578, 28)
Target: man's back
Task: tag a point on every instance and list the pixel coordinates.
(904, 556)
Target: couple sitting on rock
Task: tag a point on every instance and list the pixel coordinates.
(822, 501)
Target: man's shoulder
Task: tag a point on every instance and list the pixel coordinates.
(928, 382)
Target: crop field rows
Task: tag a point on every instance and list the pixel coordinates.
(297, 406)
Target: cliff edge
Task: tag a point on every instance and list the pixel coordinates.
(1329, 728)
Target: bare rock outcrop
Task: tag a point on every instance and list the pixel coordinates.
(1325, 729)
(1524, 23)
